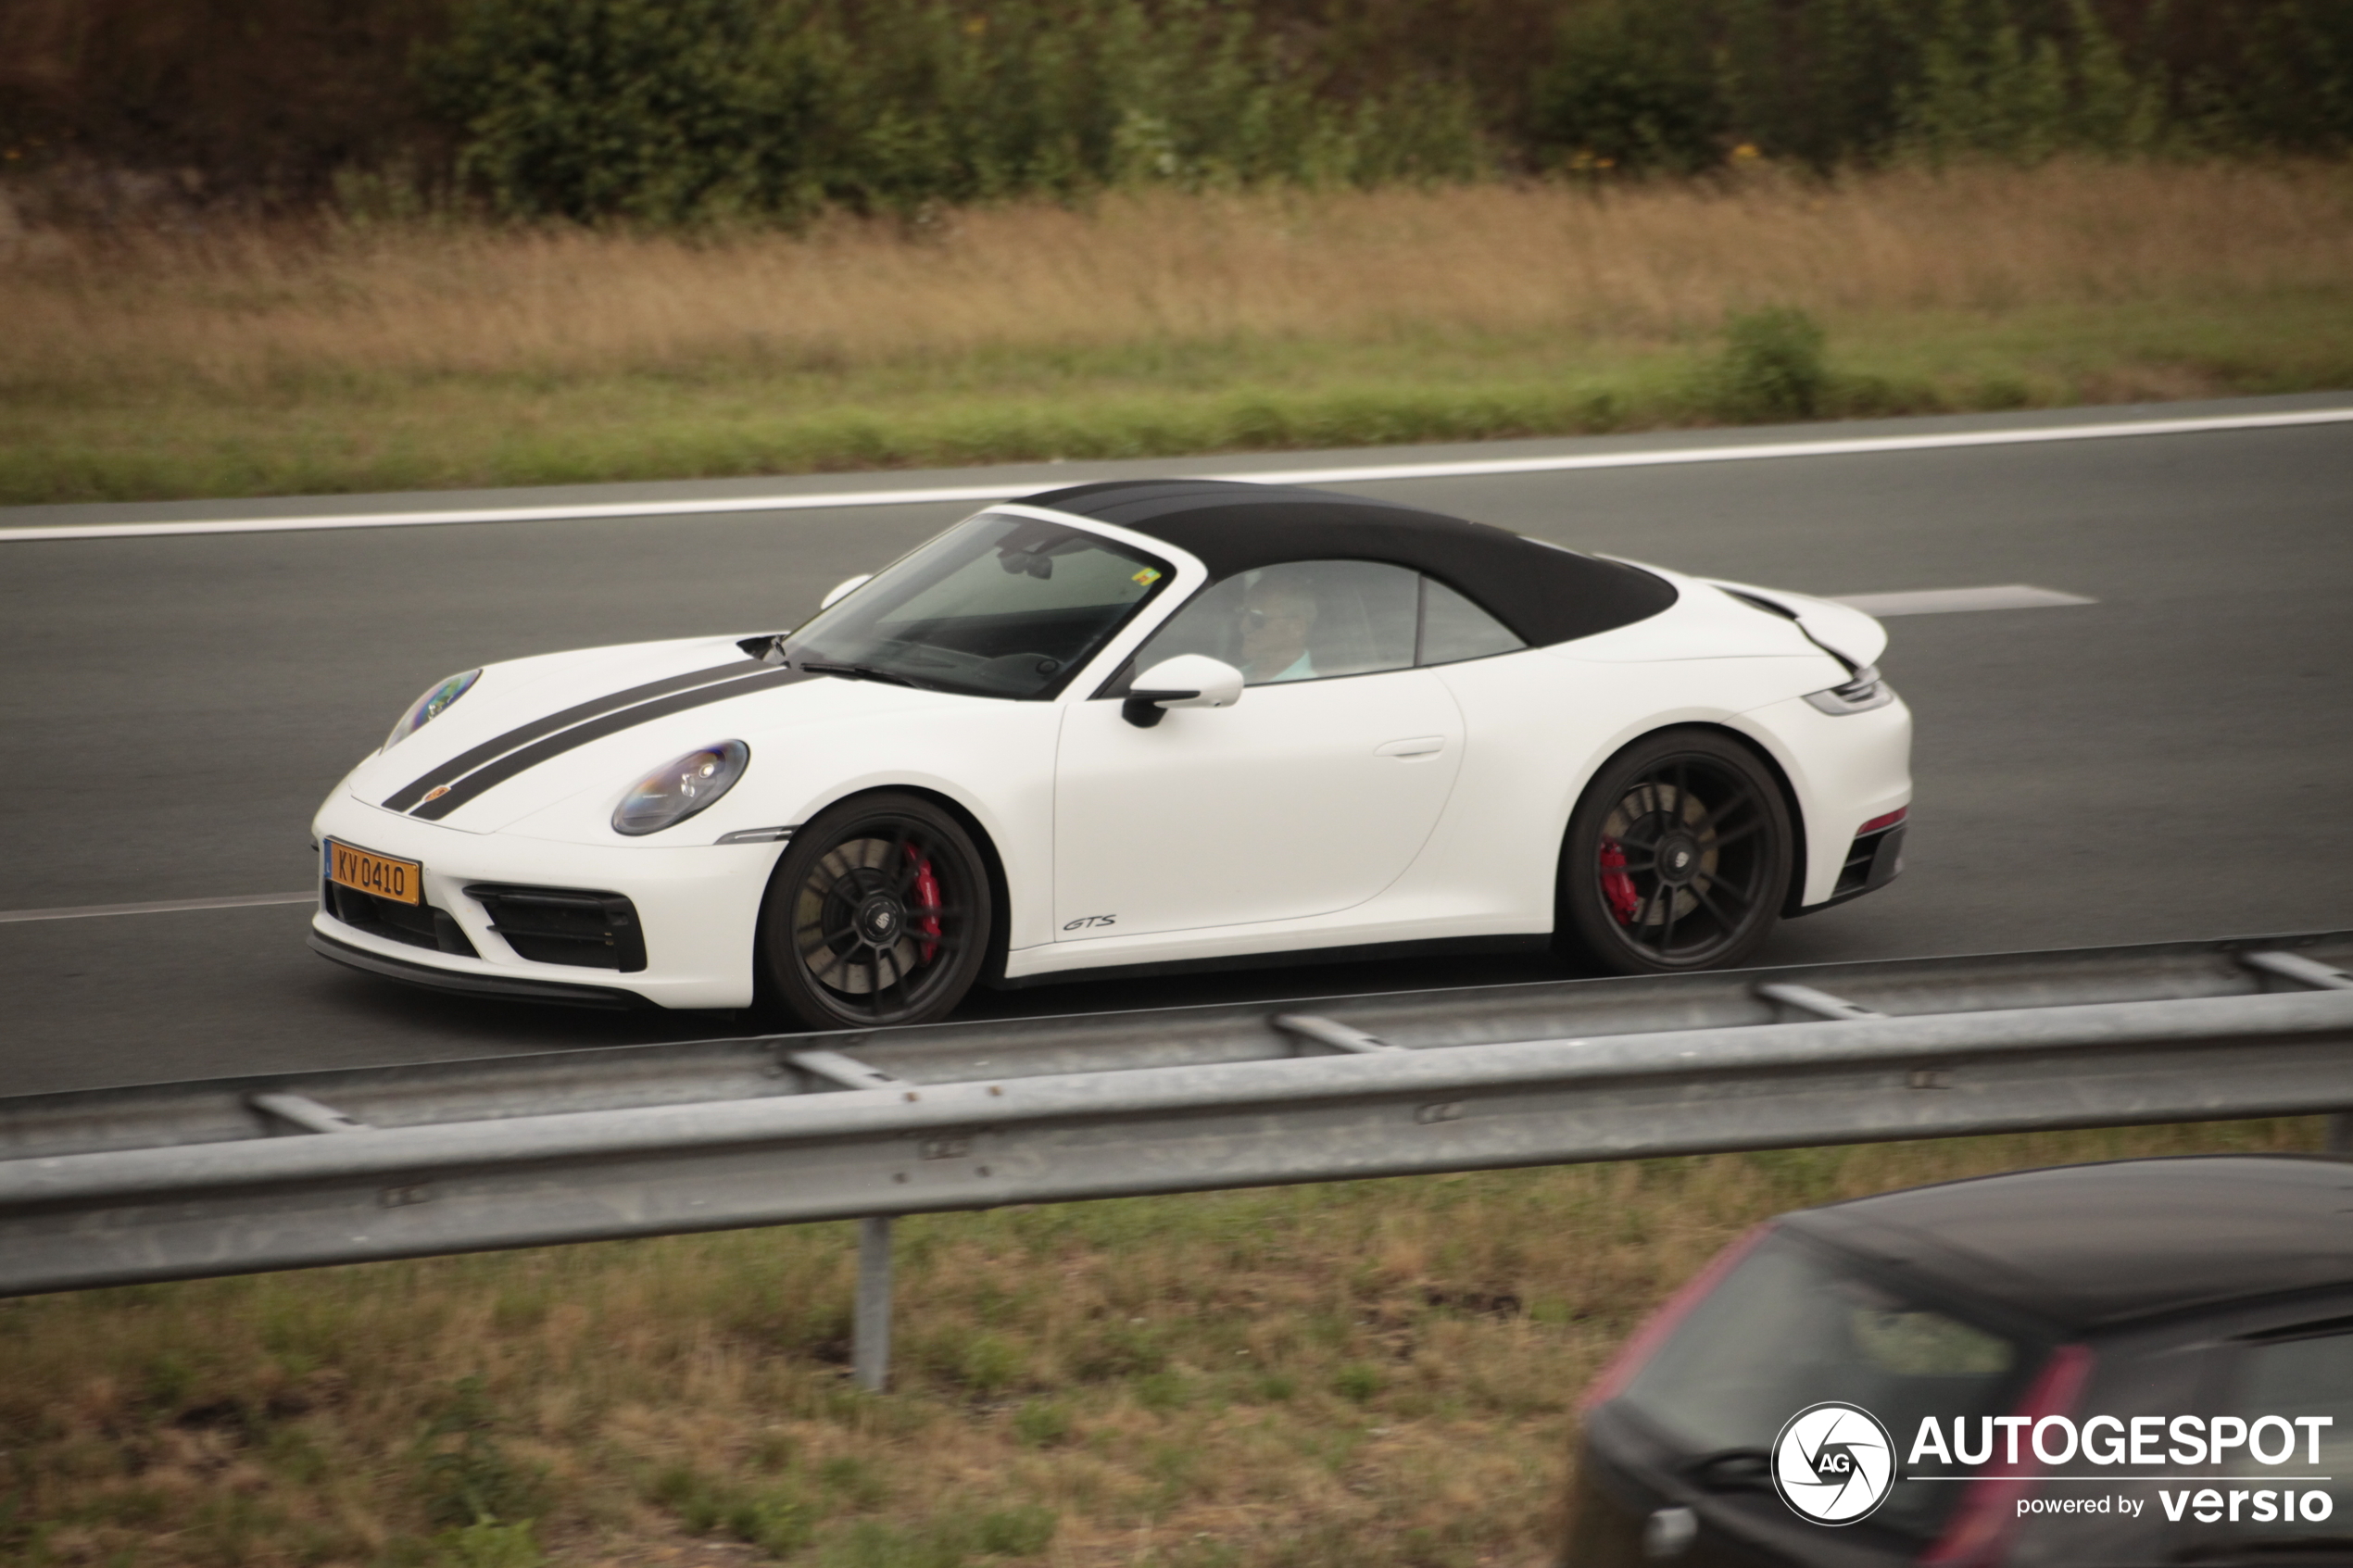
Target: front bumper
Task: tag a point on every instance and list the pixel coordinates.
(697, 907)
(513, 988)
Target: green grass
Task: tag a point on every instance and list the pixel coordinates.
(1367, 1375)
(309, 435)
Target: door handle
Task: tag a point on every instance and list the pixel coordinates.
(1420, 745)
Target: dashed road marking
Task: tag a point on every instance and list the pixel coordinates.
(166, 907)
(1946, 601)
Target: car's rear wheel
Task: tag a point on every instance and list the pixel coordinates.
(1678, 858)
(878, 912)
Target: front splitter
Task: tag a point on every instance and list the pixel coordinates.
(518, 989)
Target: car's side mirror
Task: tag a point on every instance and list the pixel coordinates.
(1190, 680)
(843, 589)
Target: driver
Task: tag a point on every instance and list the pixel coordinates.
(1277, 614)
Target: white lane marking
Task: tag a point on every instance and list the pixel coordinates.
(1945, 601)
(168, 907)
(1362, 474)
(1855, 445)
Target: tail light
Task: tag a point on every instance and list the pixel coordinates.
(1979, 1529)
(1862, 691)
(1645, 1341)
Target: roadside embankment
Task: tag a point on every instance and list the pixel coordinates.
(261, 360)
(1375, 1374)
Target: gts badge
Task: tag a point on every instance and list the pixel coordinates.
(1088, 922)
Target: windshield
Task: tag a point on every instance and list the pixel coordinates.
(1788, 1328)
(997, 606)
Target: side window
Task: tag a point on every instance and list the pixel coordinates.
(1300, 621)
(1454, 629)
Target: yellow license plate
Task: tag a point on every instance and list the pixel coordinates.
(403, 882)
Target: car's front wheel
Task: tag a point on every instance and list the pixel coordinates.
(1678, 858)
(878, 912)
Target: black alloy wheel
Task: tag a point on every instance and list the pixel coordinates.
(1678, 858)
(878, 912)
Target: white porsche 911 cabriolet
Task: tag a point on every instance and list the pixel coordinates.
(1123, 726)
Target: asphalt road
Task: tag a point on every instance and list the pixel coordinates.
(2171, 761)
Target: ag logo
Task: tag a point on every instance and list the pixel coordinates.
(1833, 1464)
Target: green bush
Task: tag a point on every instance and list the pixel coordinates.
(871, 1544)
(775, 1519)
(853, 1482)
(1163, 1392)
(1633, 88)
(1819, 81)
(673, 110)
(472, 1481)
(656, 109)
(488, 1544)
(991, 1363)
(676, 111)
(1022, 1531)
(1041, 1423)
(2284, 80)
(1985, 87)
(1771, 368)
(948, 1540)
(1119, 1350)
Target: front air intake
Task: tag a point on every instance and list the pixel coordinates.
(565, 925)
(419, 925)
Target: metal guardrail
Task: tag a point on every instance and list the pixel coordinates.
(119, 1186)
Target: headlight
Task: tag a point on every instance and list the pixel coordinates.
(678, 789)
(425, 708)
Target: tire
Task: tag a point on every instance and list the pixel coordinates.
(878, 914)
(1678, 858)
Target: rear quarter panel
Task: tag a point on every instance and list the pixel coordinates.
(1843, 769)
(1537, 726)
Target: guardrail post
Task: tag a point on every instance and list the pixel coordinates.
(870, 1327)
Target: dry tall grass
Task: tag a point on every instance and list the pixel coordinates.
(1376, 1375)
(247, 310)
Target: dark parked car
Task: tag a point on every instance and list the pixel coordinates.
(2167, 1344)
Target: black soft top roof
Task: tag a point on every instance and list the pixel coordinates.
(2084, 1245)
(1543, 593)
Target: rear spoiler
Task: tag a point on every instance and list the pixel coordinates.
(1844, 632)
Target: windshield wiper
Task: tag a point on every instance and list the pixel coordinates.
(858, 672)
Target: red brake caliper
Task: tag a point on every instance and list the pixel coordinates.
(926, 907)
(1616, 886)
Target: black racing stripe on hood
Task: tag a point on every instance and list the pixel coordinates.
(459, 767)
(530, 757)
